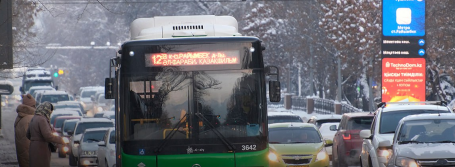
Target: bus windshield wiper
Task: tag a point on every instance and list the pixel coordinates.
(168, 137)
(230, 146)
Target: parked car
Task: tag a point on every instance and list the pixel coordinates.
(106, 149)
(384, 125)
(299, 144)
(62, 125)
(418, 134)
(347, 142)
(88, 146)
(279, 117)
(318, 120)
(328, 133)
(77, 133)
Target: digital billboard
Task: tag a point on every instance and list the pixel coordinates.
(403, 18)
(192, 58)
(403, 79)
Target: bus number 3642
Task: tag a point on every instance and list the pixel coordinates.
(248, 147)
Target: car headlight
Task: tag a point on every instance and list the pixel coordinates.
(100, 109)
(273, 157)
(321, 155)
(385, 153)
(406, 162)
(88, 152)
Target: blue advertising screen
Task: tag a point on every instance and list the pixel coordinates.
(403, 18)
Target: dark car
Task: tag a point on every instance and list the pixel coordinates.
(347, 143)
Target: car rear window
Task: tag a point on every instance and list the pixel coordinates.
(284, 118)
(60, 121)
(82, 126)
(359, 123)
(389, 120)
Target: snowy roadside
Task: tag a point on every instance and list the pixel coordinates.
(7, 153)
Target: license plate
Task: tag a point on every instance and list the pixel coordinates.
(299, 166)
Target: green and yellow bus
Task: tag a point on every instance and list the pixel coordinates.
(191, 91)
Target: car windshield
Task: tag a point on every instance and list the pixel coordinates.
(359, 123)
(284, 118)
(432, 131)
(322, 121)
(88, 94)
(55, 98)
(294, 135)
(93, 136)
(69, 126)
(82, 126)
(59, 122)
(389, 120)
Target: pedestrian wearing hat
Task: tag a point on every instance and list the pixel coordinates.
(25, 112)
(40, 135)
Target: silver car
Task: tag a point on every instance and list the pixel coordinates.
(424, 140)
(88, 146)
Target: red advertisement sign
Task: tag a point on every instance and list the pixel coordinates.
(403, 79)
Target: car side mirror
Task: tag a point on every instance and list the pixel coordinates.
(365, 134)
(333, 128)
(76, 142)
(385, 143)
(101, 143)
(328, 143)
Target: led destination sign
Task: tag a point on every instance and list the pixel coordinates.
(192, 58)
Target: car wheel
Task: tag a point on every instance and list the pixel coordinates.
(72, 160)
(61, 154)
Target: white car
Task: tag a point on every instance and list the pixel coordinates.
(88, 146)
(424, 140)
(318, 120)
(375, 151)
(328, 134)
(77, 134)
(106, 149)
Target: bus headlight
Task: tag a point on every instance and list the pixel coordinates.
(321, 155)
(406, 162)
(273, 157)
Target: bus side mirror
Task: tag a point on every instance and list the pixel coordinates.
(274, 91)
(109, 88)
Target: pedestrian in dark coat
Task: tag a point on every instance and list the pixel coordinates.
(25, 112)
(40, 135)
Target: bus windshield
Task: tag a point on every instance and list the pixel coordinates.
(227, 100)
